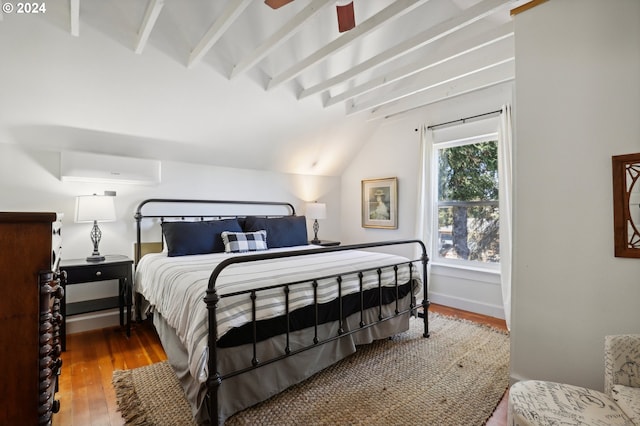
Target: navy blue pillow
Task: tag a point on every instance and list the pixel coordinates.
(284, 231)
(185, 238)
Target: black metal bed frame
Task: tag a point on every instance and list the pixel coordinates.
(215, 379)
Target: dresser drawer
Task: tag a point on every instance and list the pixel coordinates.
(77, 275)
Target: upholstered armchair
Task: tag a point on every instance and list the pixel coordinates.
(622, 372)
(536, 402)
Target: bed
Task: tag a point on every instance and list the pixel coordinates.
(245, 307)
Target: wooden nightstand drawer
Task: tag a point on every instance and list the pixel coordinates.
(77, 275)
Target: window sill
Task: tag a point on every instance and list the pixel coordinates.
(466, 272)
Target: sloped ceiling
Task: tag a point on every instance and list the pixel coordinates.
(234, 82)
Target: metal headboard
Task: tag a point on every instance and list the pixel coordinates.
(139, 215)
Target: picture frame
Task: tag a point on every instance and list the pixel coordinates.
(626, 200)
(380, 203)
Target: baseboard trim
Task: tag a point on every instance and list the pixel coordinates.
(467, 305)
(93, 321)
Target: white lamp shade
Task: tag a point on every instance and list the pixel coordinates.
(316, 211)
(95, 207)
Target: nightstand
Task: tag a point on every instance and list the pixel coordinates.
(80, 271)
(326, 243)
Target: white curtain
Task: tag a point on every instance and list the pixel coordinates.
(505, 195)
(424, 207)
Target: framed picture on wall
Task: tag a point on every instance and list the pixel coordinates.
(380, 203)
(626, 199)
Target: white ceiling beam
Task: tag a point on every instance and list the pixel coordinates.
(279, 37)
(430, 35)
(233, 10)
(74, 17)
(499, 74)
(396, 9)
(150, 17)
(440, 56)
(441, 75)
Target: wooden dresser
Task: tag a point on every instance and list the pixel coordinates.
(30, 316)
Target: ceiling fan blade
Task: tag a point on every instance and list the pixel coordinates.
(346, 17)
(276, 4)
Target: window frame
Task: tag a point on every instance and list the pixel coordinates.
(473, 265)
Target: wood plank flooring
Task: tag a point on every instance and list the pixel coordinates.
(87, 396)
(85, 392)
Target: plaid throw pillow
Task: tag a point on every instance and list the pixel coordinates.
(240, 242)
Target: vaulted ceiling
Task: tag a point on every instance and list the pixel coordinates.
(236, 82)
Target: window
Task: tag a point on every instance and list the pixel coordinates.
(467, 201)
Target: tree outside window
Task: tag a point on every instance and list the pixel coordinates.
(468, 215)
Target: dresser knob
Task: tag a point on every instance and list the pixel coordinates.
(98, 273)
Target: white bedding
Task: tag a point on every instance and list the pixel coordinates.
(176, 286)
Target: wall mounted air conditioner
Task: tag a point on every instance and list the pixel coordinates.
(86, 167)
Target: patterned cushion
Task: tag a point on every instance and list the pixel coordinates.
(240, 242)
(628, 400)
(534, 402)
(621, 361)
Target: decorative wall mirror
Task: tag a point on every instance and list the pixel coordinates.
(626, 205)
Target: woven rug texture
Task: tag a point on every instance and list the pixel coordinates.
(456, 377)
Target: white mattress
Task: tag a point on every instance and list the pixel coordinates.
(176, 286)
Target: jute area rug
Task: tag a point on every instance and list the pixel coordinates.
(456, 377)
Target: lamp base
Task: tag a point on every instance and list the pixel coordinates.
(96, 234)
(95, 258)
(316, 228)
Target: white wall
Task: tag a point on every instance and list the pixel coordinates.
(394, 151)
(29, 181)
(577, 103)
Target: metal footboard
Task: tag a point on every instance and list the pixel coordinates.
(215, 379)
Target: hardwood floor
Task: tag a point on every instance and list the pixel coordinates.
(85, 392)
(87, 396)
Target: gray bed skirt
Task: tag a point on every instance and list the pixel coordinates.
(247, 389)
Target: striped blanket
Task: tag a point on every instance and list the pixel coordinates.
(175, 287)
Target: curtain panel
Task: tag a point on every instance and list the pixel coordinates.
(505, 193)
(425, 206)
